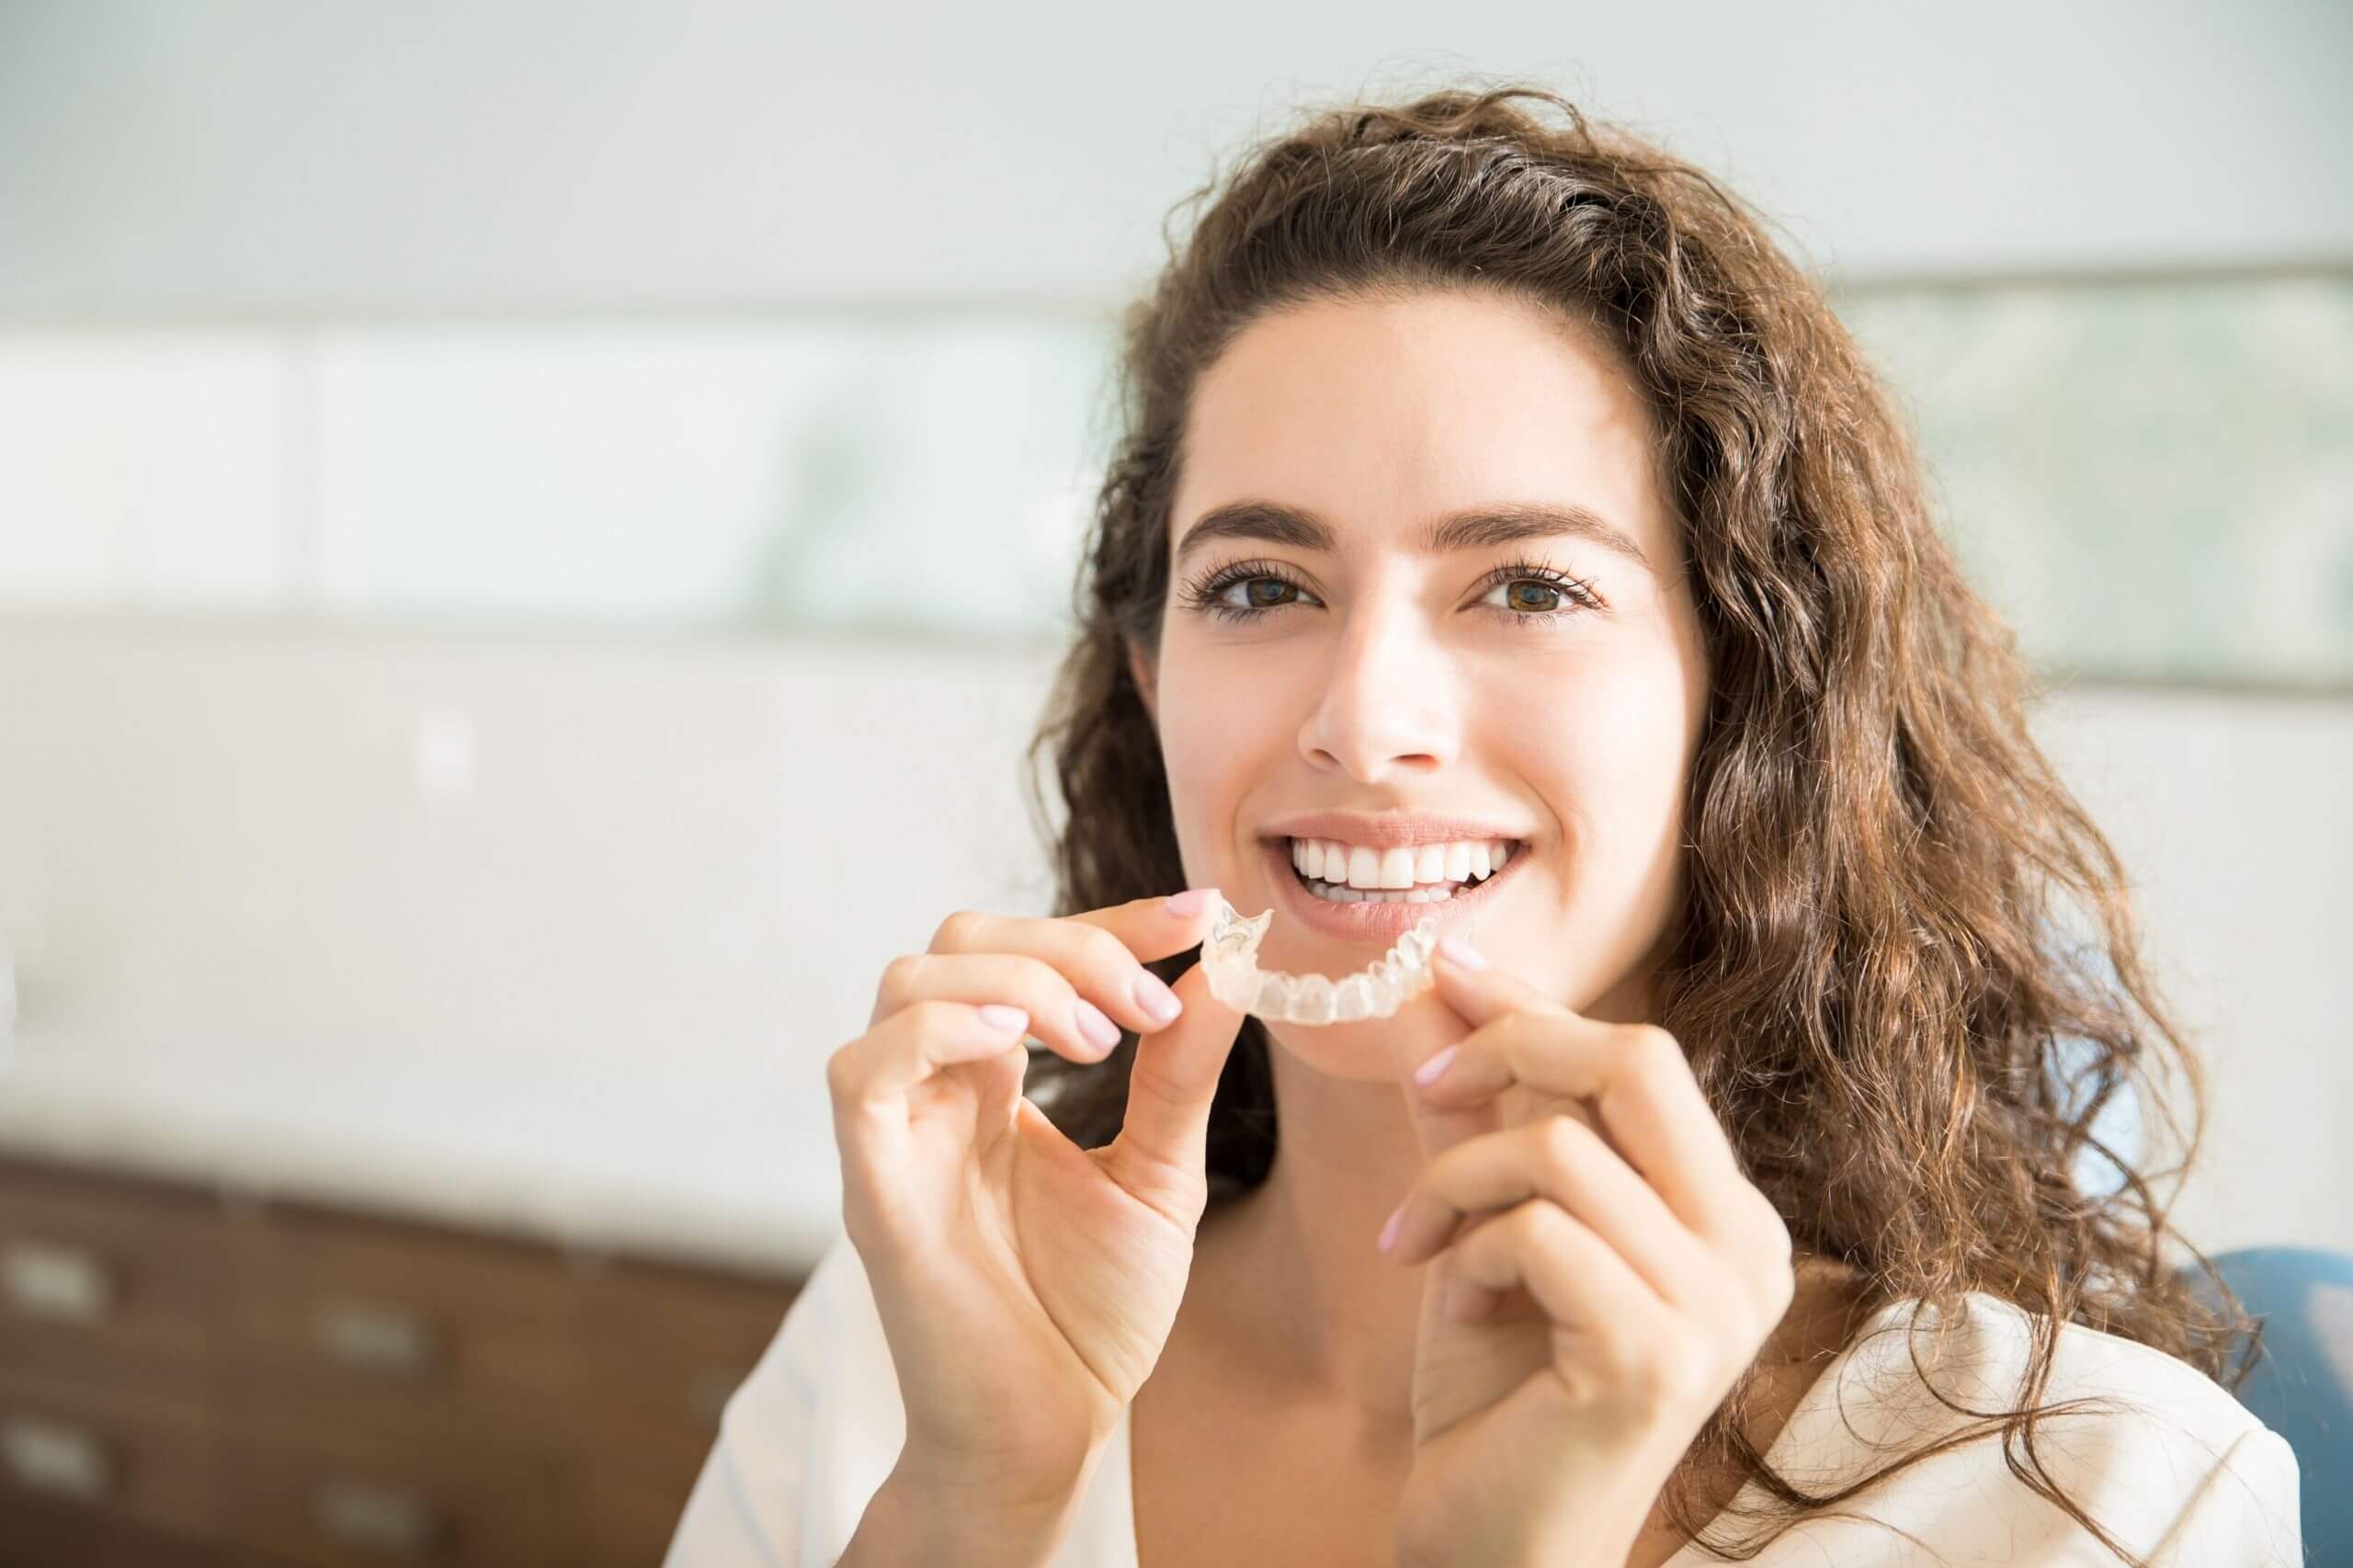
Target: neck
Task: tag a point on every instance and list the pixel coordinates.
(1329, 1319)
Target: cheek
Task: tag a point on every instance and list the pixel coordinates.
(1613, 764)
(1213, 739)
(1616, 753)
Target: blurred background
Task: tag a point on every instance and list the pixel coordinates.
(532, 539)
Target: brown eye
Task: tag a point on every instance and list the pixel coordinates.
(1534, 594)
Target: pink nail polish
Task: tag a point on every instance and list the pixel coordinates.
(1388, 1231)
(1427, 1073)
(1190, 901)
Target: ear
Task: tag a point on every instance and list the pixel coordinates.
(1140, 667)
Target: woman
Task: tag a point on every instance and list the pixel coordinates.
(1491, 490)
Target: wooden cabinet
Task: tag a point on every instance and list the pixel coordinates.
(188, 1381)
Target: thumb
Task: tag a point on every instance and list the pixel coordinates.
(1170, 1084)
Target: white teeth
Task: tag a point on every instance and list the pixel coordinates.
(1330, 893)
(1399, 869)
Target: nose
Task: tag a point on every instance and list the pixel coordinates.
(1389, 706)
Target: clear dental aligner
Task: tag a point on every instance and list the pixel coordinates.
(1231, 955)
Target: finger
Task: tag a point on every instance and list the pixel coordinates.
(1443, 1124)
(1101, 951)
(1148, 928)
(1067, 1022)
(1164, 1136)
(1575, 1277)
(1560, 1159)
(1635, 1075)
(870, 1079)
(1478, 991)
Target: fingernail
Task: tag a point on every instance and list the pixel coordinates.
(1156, 999)
(998, 1015)
(1427, 1073)
(1388, 1231)
(1461, 952)
(1190, 901)
(1095, 1025)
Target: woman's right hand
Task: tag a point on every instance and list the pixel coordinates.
(1026, 1286)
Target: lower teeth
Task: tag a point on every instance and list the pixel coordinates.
(1330, 892)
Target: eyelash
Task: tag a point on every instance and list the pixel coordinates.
(1203, 593)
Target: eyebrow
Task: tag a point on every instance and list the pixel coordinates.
(1482, 527)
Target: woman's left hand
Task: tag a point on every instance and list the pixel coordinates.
(1602, 1274)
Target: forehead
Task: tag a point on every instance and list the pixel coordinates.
(1382, 413)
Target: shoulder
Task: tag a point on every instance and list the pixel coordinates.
(2160, 1455)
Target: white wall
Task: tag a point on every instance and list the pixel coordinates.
(263, 155)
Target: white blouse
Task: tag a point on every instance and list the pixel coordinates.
(2179, 1470)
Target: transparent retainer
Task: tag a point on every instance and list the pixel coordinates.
(1231, 955)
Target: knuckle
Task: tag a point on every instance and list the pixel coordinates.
(1506, 1031)
(1034, 977)
(956, 932)
(1655, 1050)
(1539, 1222)
(898, 979)
(1624, 1369)
(1103, 954)
(840, 1074)
(1562, 1142)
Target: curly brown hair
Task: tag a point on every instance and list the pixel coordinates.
(1878, 854)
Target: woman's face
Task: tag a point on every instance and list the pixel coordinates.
(1378, 676)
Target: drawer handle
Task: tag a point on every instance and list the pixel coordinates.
(378, 1336)
(45, 1280)
(49, 1455)
(376, 1518)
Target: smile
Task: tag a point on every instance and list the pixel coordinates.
(1327, 900)
(1429, 873)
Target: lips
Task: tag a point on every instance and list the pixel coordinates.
(1379, 925)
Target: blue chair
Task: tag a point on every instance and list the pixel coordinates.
(2302, 1385)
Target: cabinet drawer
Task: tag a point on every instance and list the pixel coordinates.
(109, 1279)
(114, 1455)
(662, 1348)
(401, 1327)
(626, 1492)
(340, 1496)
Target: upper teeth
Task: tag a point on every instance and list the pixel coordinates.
(1360, 866)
